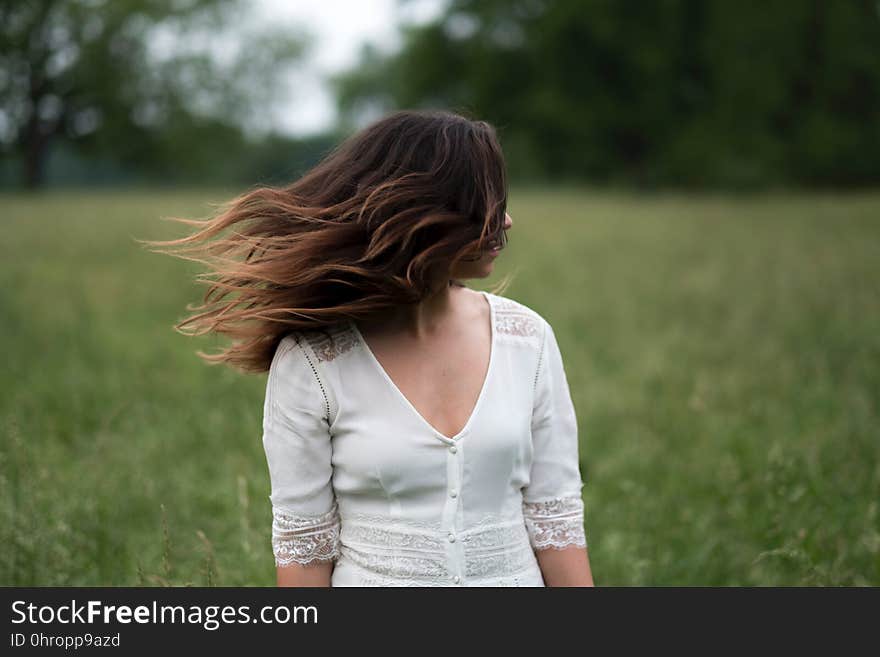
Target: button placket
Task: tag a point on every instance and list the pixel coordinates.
(454, 547)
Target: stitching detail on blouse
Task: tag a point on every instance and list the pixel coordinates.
(305, 538)
(318, 379)
(540, 359)
(555, 523)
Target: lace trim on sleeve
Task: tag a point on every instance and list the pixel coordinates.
(555, 523)
(303, 539)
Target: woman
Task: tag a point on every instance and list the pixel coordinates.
(417, 432)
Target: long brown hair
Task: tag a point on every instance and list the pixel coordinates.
(377, 222)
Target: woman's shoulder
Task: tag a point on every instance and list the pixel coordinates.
(327, 342)
(516, 319)
(318, 348)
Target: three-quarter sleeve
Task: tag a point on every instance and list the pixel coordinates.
(296, 440)
(553, 507)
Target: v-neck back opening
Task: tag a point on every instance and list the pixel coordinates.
(399, 393)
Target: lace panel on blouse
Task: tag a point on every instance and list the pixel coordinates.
(409, 553)
(513, 318)
(331, 341)
(531, 577)
(303, 539)
(555, 523)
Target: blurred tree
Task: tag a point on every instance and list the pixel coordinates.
(684, 92)
(133, 79)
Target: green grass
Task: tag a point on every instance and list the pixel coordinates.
(723, 355)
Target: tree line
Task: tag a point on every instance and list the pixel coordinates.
(695, 93)
(652, 92)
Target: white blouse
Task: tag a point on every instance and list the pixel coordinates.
(359, 477)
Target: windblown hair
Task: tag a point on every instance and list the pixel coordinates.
(382, 220)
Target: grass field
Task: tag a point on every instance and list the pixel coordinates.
(723, 355)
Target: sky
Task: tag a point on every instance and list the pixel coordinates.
(340, 28)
